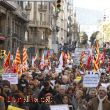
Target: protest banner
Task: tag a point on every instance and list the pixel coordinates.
(14, 108)
(11, 77)
(59, 107)
(91, 80)
(77, 54)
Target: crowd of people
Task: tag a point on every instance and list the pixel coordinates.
(39, 89)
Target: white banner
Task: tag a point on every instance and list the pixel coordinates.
(59, 107)
(11, 77)
(78, 52)
(91, 80)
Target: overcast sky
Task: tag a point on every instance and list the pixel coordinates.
(89, 13)
(92, 4)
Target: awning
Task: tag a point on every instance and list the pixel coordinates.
(2, 38)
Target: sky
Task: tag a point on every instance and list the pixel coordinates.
(99, 5)
(89, 13)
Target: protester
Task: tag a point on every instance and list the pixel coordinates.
(78, 102)
(38, 88)
(100, 102)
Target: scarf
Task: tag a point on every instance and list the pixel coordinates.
(100, 107)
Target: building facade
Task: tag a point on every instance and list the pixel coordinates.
(104, 28)
(13, 24)
(65, 30)
(39, 27)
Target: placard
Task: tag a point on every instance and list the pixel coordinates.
(91, 80)
(14, 108)
(11, 77)
(59, 107)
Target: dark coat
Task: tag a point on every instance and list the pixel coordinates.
(44, 92)
(44, 106)
(58, 98)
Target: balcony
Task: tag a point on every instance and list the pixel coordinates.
(30, 42)
(42, 42)
(40, 24)
(42, 8)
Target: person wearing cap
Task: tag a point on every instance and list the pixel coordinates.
(101, 102)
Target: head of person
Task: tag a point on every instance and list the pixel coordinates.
(64, 79)
(48, 98)
(93, 93)
(79, 94)
(46, 85)
(23, 77)
(108, 89)
(57, 87)
(14, 88)
(102, 92)
(70, 91)
(66, 99)
(6, 85)
(62, 89)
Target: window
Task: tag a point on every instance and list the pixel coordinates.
(44, 17)
(40, 16)
(26, 35)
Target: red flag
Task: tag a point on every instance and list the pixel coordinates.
(25, 58)
(7, 61)
(82, 59)
(48, 54)
(65, 58)
(89, 62)
(96, 57)
(102, 59)
(17, 58)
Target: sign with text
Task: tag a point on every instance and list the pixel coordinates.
(59, 107)
(11, 77)
(91, 80)
(78, 52)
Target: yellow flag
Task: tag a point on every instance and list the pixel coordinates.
(14, 108)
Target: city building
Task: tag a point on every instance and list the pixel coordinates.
(38, 36)
(65, 29)
(104, 28)
(13, 22)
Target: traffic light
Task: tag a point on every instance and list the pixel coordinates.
(58, 4)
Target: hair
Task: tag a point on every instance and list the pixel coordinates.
(108, 87)
(69, 98)
(6, 83)
(70, 89)
(57, 85)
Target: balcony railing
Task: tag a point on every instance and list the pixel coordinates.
(42, 7)
(42, 24)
